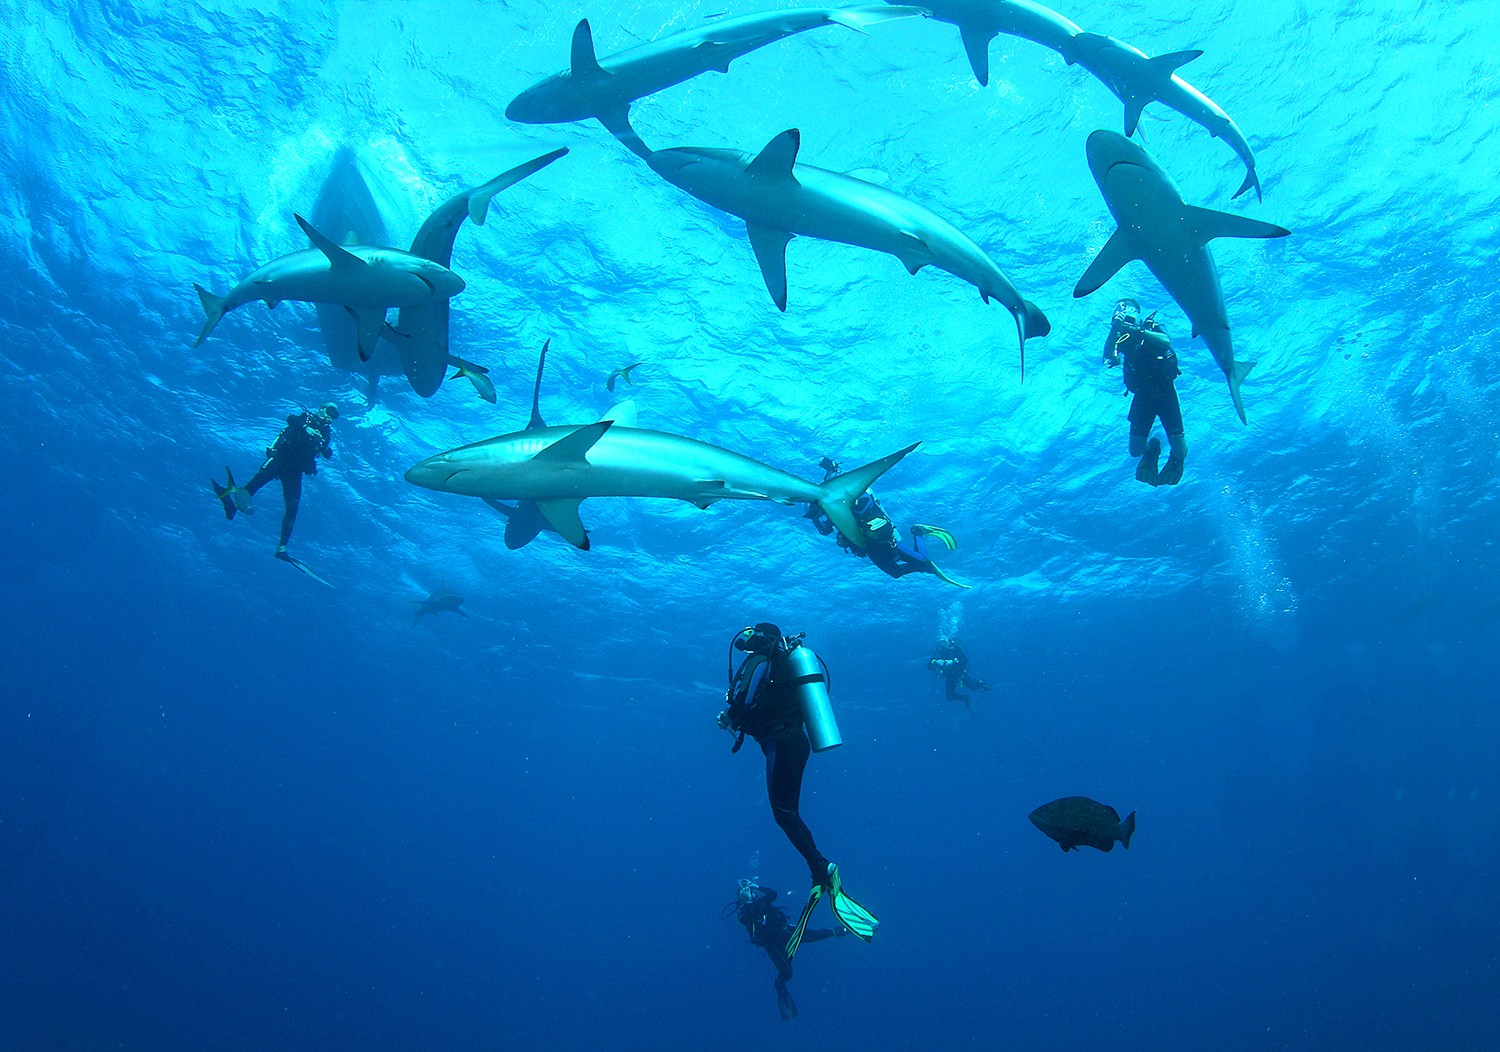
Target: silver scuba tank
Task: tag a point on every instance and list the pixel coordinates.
(807, 680)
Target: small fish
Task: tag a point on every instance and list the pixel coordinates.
(1076, 821)
(621, 374)
(234, 498)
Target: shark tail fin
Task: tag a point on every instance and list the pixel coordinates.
(861, 16)
(213, 309)
(479, 200)
(1236, 377)
(1127, 830)
(836, 496)
(1251, 180)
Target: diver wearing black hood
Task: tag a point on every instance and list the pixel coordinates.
(779, 694)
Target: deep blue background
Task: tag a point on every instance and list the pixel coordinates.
(239, 810)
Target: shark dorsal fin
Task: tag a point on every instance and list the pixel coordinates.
(585, 64)
(573, 448)
(777, 158)
(536, 420)
(1165, 65)
(337, 255)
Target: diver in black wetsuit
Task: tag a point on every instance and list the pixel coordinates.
(949, 661)
(1150, 373)
(307, 436)
(767, 926)
(765, 697)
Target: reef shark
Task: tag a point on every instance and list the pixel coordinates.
(421, 330)
(605, 88)
(1171, 237)
(1134, 77)
(979, 21)
(363, 279)
(1137, 79)
(779, 198)
(557, 468)
(438, 602)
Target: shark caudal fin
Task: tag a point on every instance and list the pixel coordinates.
(1127, 830)
(1031, 323)
(213, 309)
(1251, 181)
(836, 496)
(1236, 377)
(863, 15)
(479, 199)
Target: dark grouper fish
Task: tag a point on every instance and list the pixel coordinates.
(1077, 821)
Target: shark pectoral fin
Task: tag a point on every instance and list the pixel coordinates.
(977, 47)
(500, 506)
(573, 448)
(584, 62)
(1133, 110)
(1114, 255)
(562, 515)
(622, 414)
(369, 322)
(338, 257)
(776, 160)
(479, 200)
(770, 252)
(1209, 224)
(523, 526)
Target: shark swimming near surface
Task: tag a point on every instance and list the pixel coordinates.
(1171, 237)
(1135, 78)
(365, 280)
(605, 88)
(779, 198)
(1138, 79)
(421, 331)
(557, 468)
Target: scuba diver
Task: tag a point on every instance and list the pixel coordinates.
(766, 924)
(307, 436)
(949, 661)
(1150, 373)
(884, 545)
(779, 696)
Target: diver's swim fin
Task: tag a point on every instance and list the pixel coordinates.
(286, 557)
(937, 533)
(795, 941)
(1146, 471)
(785, 1004)
(1171, 471)
(855, 917)
(938, 570)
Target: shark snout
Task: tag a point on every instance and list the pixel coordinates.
(435, 472)
(1105, 149)
(443, 282)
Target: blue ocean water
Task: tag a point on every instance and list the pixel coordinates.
(240, 810)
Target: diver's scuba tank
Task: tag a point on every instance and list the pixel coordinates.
(807, 679)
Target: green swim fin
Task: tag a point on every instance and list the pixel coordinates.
(937, 533)
(855, 917)
(793, 943)
(938, 570)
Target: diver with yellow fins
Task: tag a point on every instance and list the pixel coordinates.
(779, 696)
